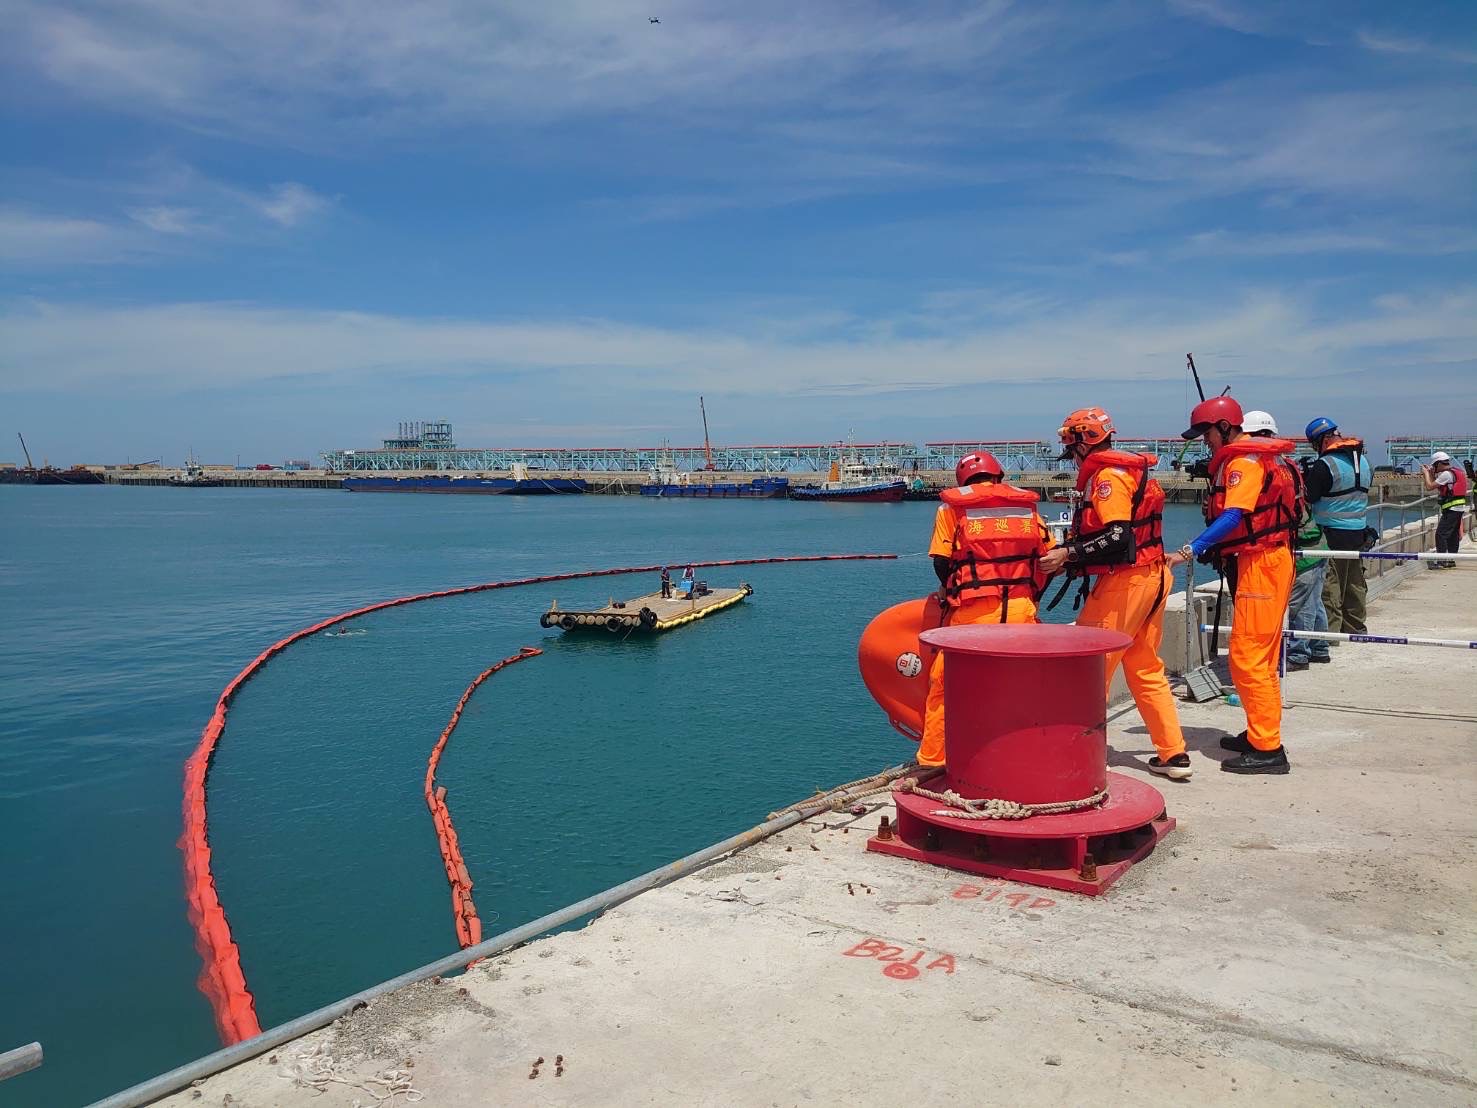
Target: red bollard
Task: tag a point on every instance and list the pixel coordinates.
(1025, 721)
(1025, 709)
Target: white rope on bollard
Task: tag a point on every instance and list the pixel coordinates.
(1386, 640)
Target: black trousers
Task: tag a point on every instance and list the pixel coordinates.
(1449, 531)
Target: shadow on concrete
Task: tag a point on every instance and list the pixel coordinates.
(1199, 740)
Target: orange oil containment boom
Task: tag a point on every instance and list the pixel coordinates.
(221, 978)
(468, 925)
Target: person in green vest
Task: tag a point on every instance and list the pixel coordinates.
(1305, 610)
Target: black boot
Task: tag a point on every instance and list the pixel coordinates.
(1239, 743)
(1258, 761)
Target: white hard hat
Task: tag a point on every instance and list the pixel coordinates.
(1252, 422)
(1440, 456)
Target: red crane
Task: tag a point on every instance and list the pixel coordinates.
(707, 446)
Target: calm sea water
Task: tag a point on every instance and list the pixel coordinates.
(125, 611)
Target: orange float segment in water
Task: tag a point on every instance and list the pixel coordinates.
(464, 910)
(894, 664)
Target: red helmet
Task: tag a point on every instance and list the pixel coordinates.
(1089, 426)
(973, 465)
(1207, 413)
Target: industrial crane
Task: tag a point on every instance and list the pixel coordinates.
(707, 446)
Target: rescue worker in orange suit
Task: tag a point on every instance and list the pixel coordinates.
(1253, 511)
(1117, 544)
(987, 546)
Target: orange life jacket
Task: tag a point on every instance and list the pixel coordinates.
(1146, 514)
(1459, 483)
(997, 544)
(1280, 502)
(1341, 442)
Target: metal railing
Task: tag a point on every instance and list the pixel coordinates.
(20, 1060)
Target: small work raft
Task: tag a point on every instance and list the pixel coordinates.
(650, 613)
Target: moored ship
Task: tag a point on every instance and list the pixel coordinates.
(856, 481)
(47, 474)
(193, 476)
(760, 488)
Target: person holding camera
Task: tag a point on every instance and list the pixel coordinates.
(1450, 486)
(1338, 482)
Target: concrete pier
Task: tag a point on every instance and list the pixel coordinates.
(1306, 939)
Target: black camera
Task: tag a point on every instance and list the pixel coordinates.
(1200, 467)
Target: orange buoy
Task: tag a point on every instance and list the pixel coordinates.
(894, 661)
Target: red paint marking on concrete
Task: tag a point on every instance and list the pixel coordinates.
(1015, 900)
(897, 968)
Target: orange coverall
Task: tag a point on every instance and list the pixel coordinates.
(1130, 599)
(1263, 587)
(985, 609)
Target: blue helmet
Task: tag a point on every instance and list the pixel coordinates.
(1320, 427)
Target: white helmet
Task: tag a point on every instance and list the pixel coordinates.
(1440, 456)
(1253, 422)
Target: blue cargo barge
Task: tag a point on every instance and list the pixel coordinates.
(486, 486)
(761, 488)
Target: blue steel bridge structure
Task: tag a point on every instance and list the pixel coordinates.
(429, 447)
(1408, 453)
(1015, 454)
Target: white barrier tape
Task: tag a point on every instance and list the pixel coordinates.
(1389, 556)
(1424, 556)
(1388, 640)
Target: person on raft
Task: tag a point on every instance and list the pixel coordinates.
(666, 583)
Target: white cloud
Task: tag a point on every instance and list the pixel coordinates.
(1394, 44)
(199, 347)
(1273, 133)
(1221, 13)
(35, 238)
(166, 220)
(30, 238)
(1378, 239)
(288, 204)
(267, 64)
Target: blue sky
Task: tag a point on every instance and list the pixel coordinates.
(276, 228)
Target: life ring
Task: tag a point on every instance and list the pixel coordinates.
(568, 622)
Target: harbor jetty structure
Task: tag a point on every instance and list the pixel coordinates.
(424, 456)
(1287, 944)
(652, 613)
